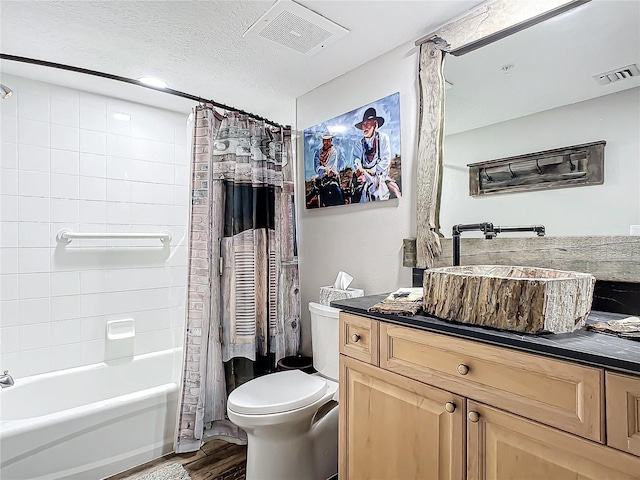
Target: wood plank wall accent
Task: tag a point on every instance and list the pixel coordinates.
(609, 258)
(575, 166)
(614, 258)
(431, 131)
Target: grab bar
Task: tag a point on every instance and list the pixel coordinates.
(66, 236)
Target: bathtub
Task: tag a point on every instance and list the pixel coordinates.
(89, 422)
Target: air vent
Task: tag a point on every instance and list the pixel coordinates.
(618, 74)
(293, 26)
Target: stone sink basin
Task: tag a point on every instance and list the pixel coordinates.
(520, 299)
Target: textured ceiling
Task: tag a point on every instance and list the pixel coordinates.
(197, 46)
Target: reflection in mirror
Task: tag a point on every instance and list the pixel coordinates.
(536, 91)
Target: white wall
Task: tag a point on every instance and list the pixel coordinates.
(67, 163)
(606, 209)
(365, 240)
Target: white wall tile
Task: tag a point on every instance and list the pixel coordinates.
(34, 260)
(93, 281)
(153, 341)
(92, 352)
(181, 155)
(93, 118)
(33, 234)
(9, 340)
(182, 195)
(65, 283)
(93, 188)
(66, 356)
(163, 194)
(33, 209)
(8, 181)
(181, 134)
(33, 285)
(35, 336)
(92, 100)
(93, 142)
(141, 192)
(33, 362)
(93, 328)
(65, 162)
(93, 211)
(34, 184)
(116, 125)
(34, 310)
(92, 165)
(118, 168)
(118, 190)
(65, 331)
(63, 94)
(9, 107)
(33, 107)
(65, 210)
(8, 208)
(118, 212)
(8, 234)
(8, 285)
(65, 138)
(65, 113)
(8, 312)
(9, 129)
(150, 127)
(183, 175)
(31, 132)
(92, 305)
(34, 158)
(64, 186)
(65, 308)
(153, 151)
(9, 155)
(119, 145)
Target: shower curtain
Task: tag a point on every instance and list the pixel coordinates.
(243, 294)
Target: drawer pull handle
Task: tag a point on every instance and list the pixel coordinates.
(450, 407)
(474, 416)
(463, 369)
(355, 337)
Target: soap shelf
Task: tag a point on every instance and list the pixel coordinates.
(574, 166)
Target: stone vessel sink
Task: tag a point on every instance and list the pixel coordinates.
(520, 299)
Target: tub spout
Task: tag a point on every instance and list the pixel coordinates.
(6, 380)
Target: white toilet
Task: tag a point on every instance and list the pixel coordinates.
(291, 417)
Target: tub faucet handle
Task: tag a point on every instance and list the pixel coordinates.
(6, 380)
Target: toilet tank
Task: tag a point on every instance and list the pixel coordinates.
(324, 338)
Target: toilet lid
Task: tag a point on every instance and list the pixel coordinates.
(276, 393)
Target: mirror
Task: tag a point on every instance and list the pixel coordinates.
(535, 91)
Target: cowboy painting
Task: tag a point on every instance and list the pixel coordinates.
(355, 158)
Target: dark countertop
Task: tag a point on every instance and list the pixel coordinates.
(582, 346)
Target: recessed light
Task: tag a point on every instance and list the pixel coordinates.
(122, 116)
(153, 82)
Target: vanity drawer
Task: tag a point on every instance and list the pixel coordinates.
(623, 412)
(557, 393)
(359, 338)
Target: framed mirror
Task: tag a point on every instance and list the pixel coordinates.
(541, 89)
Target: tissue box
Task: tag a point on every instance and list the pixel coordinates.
(329, 294)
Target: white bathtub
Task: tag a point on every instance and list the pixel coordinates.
(89, 422)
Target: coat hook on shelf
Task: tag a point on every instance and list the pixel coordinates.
(572, 166)
(486, 175)
(538, 167)
(513, 175)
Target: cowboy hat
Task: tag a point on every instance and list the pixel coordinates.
(370, 114)
(326, 134)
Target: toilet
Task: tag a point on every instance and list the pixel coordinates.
(291, 417)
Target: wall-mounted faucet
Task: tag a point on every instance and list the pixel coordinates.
(489, 231)
(6, 380)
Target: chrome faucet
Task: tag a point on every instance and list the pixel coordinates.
(6, 380)
(490, 231)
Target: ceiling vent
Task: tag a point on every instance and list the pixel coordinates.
(296, 27)
(618, 74)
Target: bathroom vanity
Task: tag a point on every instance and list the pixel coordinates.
(425, 398)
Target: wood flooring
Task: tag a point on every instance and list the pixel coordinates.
(216, 460)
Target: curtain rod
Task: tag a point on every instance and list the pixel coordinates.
(170, 91)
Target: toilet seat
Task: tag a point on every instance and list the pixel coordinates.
(276, 393)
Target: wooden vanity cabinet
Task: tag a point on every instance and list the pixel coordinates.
(431, 406)
(623, 412)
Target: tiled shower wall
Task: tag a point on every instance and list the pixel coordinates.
(68, 163)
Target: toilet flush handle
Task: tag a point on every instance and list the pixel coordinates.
(355, 337)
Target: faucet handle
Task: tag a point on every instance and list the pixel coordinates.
(6, 372)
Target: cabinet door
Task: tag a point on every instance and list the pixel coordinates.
(504, 446)
(623, 412)
(392, 427)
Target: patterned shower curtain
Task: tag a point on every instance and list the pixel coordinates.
(243, 295)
